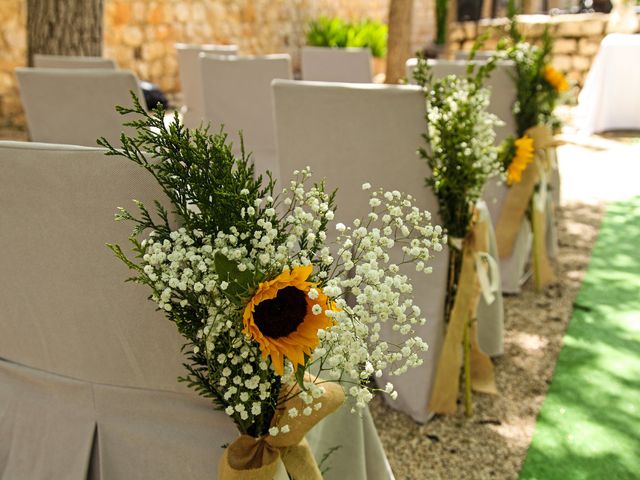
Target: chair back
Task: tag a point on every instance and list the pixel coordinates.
(65, 306)
(337, 64)
(481, 55)
(356, 133)
(75, 106)
(65, 61)
(237, 94)
(191, 77)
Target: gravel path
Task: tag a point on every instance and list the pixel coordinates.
(493, 443)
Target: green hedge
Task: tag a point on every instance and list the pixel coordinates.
(335, 32)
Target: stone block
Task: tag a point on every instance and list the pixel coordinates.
(562, 62)
(7, 82)
(182, 13)
(138, 11)
(581, 63)
(164, 33)
(121, 13)
(565, 45)
(12, 105)
(569, 29)
(132, 36)
(470, 30)
(533, 28)
(468, 45)
(156, 14)
(153, 50)
(589, 46)
(592, 27)
(574, 76)
(198, 13)
(456, 33)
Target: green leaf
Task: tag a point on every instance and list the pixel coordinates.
(300, 375)
(241, 283)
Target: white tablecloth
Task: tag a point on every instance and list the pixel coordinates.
(610, 99)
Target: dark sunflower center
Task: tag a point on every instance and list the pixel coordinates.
(281, 316)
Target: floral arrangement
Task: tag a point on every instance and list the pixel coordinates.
(521, 159)
(527, 156)
(462, 156)
(461, 138)
(538, 88)
(270, 309)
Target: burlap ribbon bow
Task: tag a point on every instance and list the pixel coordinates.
(518, 200)
(447, 381)
(249, 458)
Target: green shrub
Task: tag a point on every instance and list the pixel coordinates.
(336, 33)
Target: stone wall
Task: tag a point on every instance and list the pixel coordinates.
(140, 34)
(13, 53)
(576, 38)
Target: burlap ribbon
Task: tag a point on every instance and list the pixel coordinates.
(249, 458)
(447, 382)
(517, 201)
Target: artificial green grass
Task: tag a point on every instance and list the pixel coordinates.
(589, 425)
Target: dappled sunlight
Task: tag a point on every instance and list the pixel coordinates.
(531, 343)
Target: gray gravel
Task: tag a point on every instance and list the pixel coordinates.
(493, 443)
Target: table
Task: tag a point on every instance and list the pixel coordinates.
(610, 99)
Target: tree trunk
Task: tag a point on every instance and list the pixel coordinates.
(64, 27)
(399, 47)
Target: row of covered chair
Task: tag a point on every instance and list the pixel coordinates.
(348, 133)
(223, 88)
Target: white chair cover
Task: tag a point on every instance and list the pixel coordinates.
(65, 61)
(237, 94)
(75, 106)
(337, 64)
(609, 99)
(355, 133)
(88, 367)
(191, 77)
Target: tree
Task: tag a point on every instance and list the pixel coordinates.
(64, 27)
(399, 47)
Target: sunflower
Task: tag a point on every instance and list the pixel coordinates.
(284, 319)
(555, 78)
(521, 160)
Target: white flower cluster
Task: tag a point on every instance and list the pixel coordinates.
(182, 270)
(361, 274)
(460, 127)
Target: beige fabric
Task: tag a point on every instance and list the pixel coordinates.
(67, 306)
(65, 61)
(353, 434)
(351, 134)
(75, 106)
(461, 333)
(191, 77)
(490, 316)
(249, 458)
(337, 64)
(513, 270)
(237, 93)
(87, 366)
